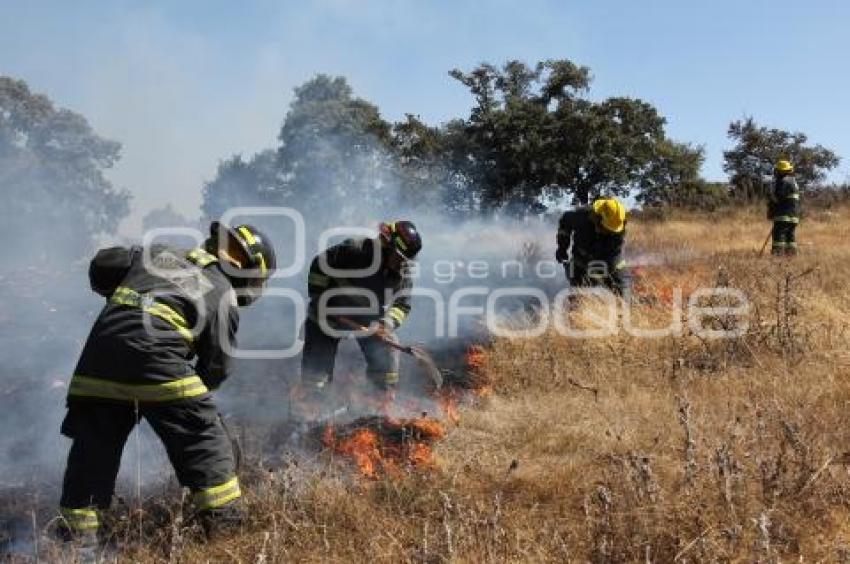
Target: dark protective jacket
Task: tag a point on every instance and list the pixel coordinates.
(589, 245)
(784, 200)
(391, 289)
(158, 317)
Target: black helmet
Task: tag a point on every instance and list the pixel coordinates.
(257, 257)
(403, 237)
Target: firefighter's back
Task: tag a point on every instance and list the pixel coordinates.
(146, 332)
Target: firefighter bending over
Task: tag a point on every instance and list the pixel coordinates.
(590, 245)
(385, 278)
(165, 306)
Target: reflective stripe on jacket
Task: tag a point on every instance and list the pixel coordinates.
(168, 308)
(189, 387)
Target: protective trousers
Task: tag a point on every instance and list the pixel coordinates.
(319, 357)
(580, 276)
(197, 444)
(784, 238)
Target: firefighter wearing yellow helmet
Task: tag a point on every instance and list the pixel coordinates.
(783, 208)
(590, 245)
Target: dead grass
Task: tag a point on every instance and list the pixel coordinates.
(619, 448)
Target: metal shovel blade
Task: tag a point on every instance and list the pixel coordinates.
(428, 364)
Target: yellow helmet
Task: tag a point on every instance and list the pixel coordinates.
(785, 167)
(612, 213)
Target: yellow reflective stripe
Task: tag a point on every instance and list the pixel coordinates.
(397, 314)
(620, 265)
(792, 197)
(201, 257)
(786, 219)
(173, 318)
(124, 294)
(80, 519)
(400, 242)
(129, 297)
(391, 378)
(216, 496)
(84, 386)
(249, 237)
(262, 261)
(316, 279)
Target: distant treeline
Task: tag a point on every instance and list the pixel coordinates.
(532, 138)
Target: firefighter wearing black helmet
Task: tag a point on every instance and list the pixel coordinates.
(370, 276)
(156, 351)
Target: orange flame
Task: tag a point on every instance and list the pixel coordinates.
(448, 401)
(476, 359)
(361, 446)
(398, 444)
(422, 456)
(389, 446)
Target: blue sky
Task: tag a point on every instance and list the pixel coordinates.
(185, 84)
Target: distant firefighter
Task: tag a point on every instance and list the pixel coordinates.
(164, 307)
(590, 245)
(384, 282)
(783, 207)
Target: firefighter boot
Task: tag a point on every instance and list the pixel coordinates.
(221, 521)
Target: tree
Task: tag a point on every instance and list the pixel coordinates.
(501, 149)
(242, 183)
(607, 147)
(335, 159)
(421, 169)
(56, 197)
(757, 148)
(673, 179)
(532, 134)
(333, 150)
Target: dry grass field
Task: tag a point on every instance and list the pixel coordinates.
(619, 448)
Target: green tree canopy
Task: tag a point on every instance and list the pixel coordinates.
(532, 133)
(56, 197)
(334, 156)
(757, 148)
(673, 174)
(333, 148)
(242, 183)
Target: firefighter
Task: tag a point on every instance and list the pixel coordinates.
(165, 307)
(333, 282)
(783, 207)
(596, 233)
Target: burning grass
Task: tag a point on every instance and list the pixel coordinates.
(392, 446)
(385, 446)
